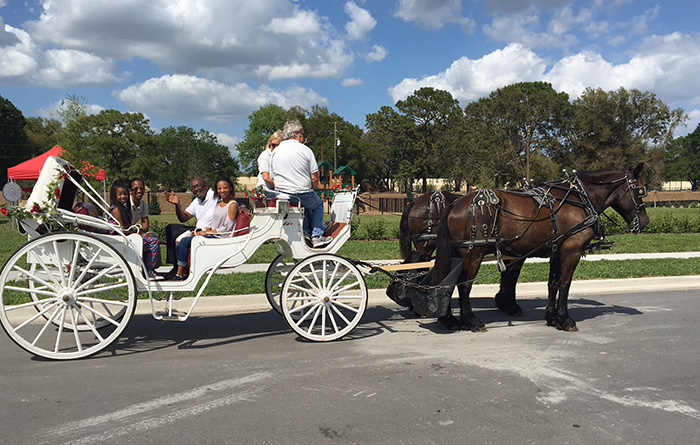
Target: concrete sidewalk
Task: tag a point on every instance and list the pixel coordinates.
(377, 297)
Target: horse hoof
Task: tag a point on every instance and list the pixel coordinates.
(515, 311)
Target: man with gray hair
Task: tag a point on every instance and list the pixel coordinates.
(295, 172)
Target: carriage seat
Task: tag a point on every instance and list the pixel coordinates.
(341, 213)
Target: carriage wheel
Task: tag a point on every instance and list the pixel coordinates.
(66, 295)
(274, 278)
(324, 297)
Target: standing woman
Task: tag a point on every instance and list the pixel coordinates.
(264, 178)
(139, 215)
(223, 223)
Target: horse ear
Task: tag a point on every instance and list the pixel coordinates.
(638, 169)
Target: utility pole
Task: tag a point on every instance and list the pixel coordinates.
(336, 142)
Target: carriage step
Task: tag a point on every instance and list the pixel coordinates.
(173, 315)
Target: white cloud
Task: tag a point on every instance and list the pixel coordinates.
(70, 67)
(690, 125)
(184, 96)
(468, 80)
(6, 37)
(300, 23)
(361, 22)
(351, 82)
(223, 39)
(434, 14)
(377, 54)
(665, 65)
(229, 141)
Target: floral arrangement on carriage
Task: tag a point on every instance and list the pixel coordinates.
(259, 197)
(46, 195)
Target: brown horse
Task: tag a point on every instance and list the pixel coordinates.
(560, 227)
(418, 228)
(419, 225)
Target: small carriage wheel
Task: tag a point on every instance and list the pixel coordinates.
(81, 297)
(324, 297)
(274, 279)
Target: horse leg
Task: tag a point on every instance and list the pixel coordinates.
(467, 320)
(550, 313)
(505, 298)
(559, 316)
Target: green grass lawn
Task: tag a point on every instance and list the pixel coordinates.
(242, 283)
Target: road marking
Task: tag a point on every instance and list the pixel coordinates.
(71, 429)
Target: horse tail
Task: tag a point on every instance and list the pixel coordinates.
(443, 255)
(405, 243)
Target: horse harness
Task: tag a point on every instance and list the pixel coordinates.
(486, 201)
(436, 205)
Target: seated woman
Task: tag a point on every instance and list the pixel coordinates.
(119, 206)
(139, 215)
(223, 224)
(264, 179)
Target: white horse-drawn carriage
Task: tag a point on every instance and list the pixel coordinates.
(71, 290)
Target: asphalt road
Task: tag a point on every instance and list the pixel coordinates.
(629, 376)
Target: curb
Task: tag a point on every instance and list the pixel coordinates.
(232, 304)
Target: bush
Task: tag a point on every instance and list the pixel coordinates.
(355, 228)
(375, 229)
(153, 205)
(157, 227)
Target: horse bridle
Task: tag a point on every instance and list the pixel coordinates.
(637, 193)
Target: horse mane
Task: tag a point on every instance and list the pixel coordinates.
(598, 175)
(404, 232)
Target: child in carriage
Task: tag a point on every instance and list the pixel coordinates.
(121, 210)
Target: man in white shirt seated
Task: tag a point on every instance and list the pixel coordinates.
(202, 208)
(295, 172)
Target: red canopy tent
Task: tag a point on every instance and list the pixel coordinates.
(30, 169)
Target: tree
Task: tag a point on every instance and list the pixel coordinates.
(261, 124)
(682, 158)
(393, 139)
(120, 143)
(321, 129)
(432, 111)
(620, 128)
(189, 154)
(13, 140)
(42, 133)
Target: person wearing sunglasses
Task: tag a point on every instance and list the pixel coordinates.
(139, 215)
(264, 178)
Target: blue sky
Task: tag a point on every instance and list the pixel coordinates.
(210, 63)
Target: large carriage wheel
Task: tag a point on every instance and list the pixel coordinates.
(66, 295)
(324, 297)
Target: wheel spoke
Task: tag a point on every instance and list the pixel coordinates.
(103, 302)
(74, 262)
(31, 291)
(73, 322)
(34, 317)
(89, 323)
(60, 329)
(95, 290)
(49, 321)
(33, 277)
(102, 273)
(97, 313)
